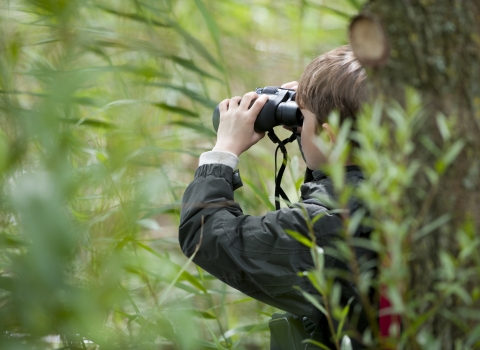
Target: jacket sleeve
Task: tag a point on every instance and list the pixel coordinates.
(250, 253)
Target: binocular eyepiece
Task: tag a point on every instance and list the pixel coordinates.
(280, 109)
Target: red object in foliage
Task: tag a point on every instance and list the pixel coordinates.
(386, 319)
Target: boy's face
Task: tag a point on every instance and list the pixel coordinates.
(313, 156)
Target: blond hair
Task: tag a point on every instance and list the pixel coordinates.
(333, 81)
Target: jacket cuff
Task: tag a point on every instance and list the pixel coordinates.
(221, 171)
(222, 157)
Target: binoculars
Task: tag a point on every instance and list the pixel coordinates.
(280, 109)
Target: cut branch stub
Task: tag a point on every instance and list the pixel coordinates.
(369, 41)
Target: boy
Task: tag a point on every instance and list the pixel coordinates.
(254, 254)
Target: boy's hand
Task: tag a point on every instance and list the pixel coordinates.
(290, 85)
(235, 132)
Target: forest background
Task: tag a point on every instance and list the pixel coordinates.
(105, 107)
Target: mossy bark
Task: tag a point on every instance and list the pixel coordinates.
(435, 48)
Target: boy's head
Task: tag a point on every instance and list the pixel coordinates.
(333, 81)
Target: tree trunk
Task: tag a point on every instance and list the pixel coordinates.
(434, 46)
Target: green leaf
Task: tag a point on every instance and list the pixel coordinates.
(188, 64)
(89, 122)
(473, 338)
(343, 318)
(354, 221)
(181, 273)
(197, 45)
(132, 16)
(300, 238)
(251, 328)
(425, 230)
(175, 109)
(340, 14)
(356, 4)
(260, 194)
(211, 24)
(453, 152)
(197, 127)
(11, 241)
(314, 342)
(443, 127)
(204, 314)
(313, 300)
(189, 93)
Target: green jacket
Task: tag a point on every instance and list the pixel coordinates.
(253, 253)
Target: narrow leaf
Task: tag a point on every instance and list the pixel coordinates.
(259, 194)
(300, 238)
(314, 301)
(197, 127)
(175, 109)
(132, 16)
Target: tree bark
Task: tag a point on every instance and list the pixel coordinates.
(435, 48)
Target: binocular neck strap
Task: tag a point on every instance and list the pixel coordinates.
(279, 192)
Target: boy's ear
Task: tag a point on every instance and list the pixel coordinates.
(331, 134)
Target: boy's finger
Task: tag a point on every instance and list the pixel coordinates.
(290, 85)
(258, 105)
(234, 102)
(223, 106)
(247, 99)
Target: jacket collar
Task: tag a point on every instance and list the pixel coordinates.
(322, 184)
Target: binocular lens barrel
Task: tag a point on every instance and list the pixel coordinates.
(288, 114)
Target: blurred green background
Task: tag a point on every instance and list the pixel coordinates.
(105, 107)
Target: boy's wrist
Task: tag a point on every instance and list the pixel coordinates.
(224, 148)
(219, 157)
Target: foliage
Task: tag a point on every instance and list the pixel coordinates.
(104, 107)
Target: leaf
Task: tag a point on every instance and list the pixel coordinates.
(204, 314)
(367, 244)
(197, 127)
(300, 238)
(314, 342)
(355, 4)
(260, 194)
(355, 221)
(188, 64)
(11, 241)
(149, 224)
(145, 71)
(211, 24)
(251, 328)
(132, 16)
(453, 152)
(443, 127)
(343, 318)
(175, 109)
(473, 337)
(430, 145)
(313, 301)
(336, 12)
(181, 273)
(425, 230)
(215, 339)
(89, 122)
(197, 45)
(189, 93)
(346, 343)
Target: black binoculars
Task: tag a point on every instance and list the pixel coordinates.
(280, 109)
